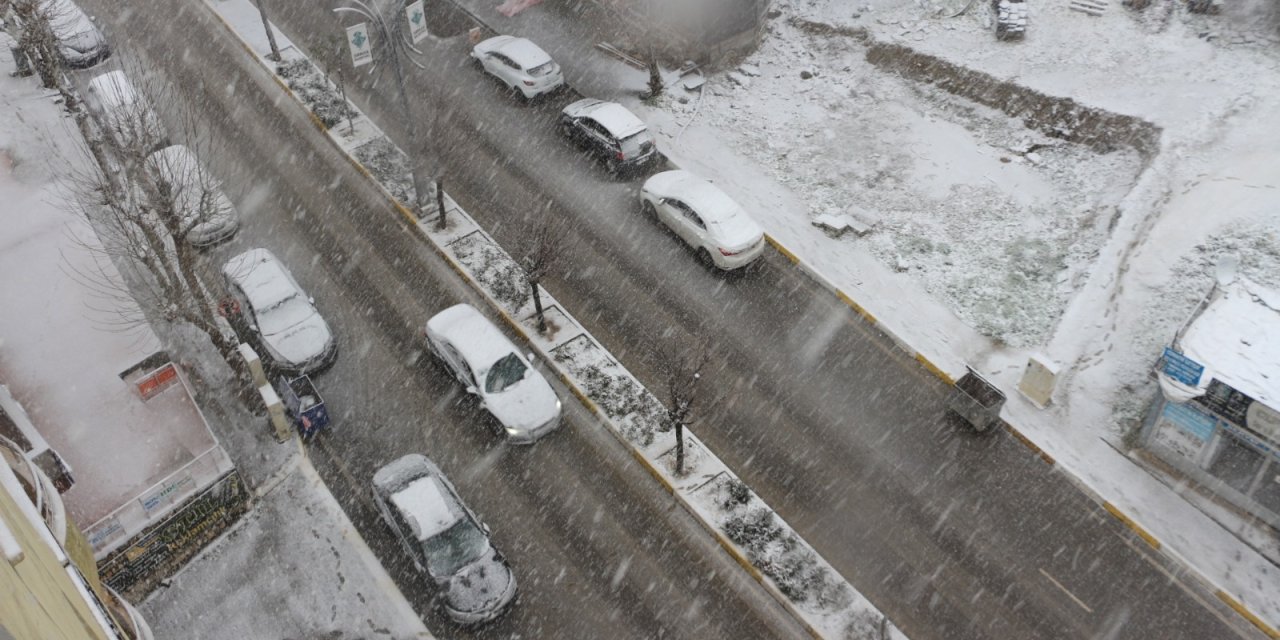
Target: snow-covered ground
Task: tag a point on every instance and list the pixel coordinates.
(294, 567)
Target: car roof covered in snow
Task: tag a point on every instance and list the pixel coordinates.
(175, 162)
(475, 338)
(707, 199)
(1237, 339)
(114, 88)
(522, 50)
(262, 278)
(415, 485)
(612, 116)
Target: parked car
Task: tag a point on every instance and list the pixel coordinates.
(207, 214)
(123, 113)
(704, 217)
(519, 64)
(490, 367)
(279, 314)
(611, 133)
(80, 43)
(444, 539)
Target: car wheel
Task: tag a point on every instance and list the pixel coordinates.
(650, 211)
(611, 165)
(705, 258)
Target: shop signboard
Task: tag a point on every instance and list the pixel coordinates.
(1182, 368)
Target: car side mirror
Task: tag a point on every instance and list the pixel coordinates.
(253, 327)
(529, 356)
(471, 390)
(311, 299)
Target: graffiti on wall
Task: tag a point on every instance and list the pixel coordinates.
(135, 568)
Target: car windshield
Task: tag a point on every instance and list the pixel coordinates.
(283, 314)
(504, 373)
(637, 144)
(454, 547)
(542, 69)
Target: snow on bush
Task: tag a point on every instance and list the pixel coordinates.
(777, 552)
(624, 400)
(315, 91)
(389, 166)
(496, 272)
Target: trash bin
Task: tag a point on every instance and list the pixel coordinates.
(976, 400)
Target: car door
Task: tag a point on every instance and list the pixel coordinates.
(682, 221)
(597, 136)
(501, 66)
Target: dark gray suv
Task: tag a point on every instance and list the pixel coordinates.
(610, 132)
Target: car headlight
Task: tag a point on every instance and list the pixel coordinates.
(511, 431)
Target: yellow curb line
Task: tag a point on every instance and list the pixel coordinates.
(1248, 615)
(1026, 442)
(1128, 522)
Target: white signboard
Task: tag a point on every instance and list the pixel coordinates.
(358, 40)
(417, 21)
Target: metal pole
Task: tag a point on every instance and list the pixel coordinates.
(271, 36)
(423, 185)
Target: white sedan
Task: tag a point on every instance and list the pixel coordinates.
(282, 316)
(704, 217)
(207, 215)
(519, 64)
(489, 366)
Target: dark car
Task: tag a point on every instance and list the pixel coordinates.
(610, 132)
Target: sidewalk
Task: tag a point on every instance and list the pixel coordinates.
(293, 567)
(743, 143)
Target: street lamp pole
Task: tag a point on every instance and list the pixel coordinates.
(425, 186)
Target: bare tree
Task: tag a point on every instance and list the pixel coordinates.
(37, 38)
(332, 56)
(542, 251)
(684, 376)
(271, 36)
(655, 74)
(147, 206)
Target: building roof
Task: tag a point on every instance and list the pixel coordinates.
(1237, 339)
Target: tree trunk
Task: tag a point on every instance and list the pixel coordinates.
(537, 306)
(679, 447)
(271, 37)
(655, 76)
(441, 223)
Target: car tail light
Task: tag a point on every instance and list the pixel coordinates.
(621, 156)
(726, 252)
(528, 83)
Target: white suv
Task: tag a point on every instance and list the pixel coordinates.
(444, 539)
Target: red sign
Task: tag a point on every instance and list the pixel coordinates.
(153, 383)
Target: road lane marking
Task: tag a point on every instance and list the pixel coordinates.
(1065, 590)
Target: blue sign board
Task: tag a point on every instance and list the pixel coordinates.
(1182, 368)
(1190, 420)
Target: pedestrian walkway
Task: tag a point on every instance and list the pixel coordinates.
(293, 568)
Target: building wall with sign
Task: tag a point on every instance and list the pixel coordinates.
(1216, 419)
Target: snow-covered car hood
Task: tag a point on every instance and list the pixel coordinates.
(302, 342)
(481, 589)
(525, 405)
